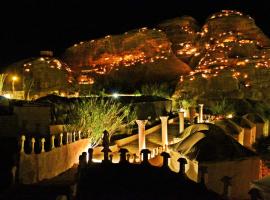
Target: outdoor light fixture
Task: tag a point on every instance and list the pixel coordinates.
(14, 78)
(229, 116)
(115, 95)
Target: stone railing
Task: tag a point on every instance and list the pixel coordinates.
(34, 167)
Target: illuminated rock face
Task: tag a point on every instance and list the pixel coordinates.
(233, 60)
(183, 33)
(139, 55)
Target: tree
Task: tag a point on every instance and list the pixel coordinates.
(93, 116)
(2, 80)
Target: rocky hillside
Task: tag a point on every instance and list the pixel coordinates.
(229, 54)
(232, 59)
(142, 55)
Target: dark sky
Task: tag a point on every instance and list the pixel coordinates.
(28, 26)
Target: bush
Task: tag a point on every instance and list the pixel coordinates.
(222, 107)
(93, 116)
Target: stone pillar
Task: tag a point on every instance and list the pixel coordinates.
(22, 143)
(181, 122)
(52, 142)
(61, 139)
(164, 131)
(33, 145)
(42, 145)
(90, 155)
(141, 127)
(201, 113)
(182, 162)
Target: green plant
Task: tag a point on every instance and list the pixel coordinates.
(187, 103)
(156, 89)
(2, 80)
(222, 107)
(93, 116)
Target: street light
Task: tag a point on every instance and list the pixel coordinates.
(14, 78)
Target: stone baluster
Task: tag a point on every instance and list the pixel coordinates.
(22, 143)
(145, 153)
(33, 140)
(43, 145)
(153, 153)
(164, 131)
(74, 136)
(166, 157)
(201, 113)
(61, 139)
(226, 180)
(160, 150)
(67, 139)
(181, 122)
(52, 142)
(182, 162)
(79, 135)
(141, 127)
(84, 160)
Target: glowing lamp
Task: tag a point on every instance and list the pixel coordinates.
(115, 95)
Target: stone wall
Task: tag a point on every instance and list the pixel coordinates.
(33, 119)
(242, 172)
(36, 167)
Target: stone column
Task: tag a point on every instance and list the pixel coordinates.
(141, 127)
(42, 145)
(181, 122)
(164, 131)
(201, 113)
(52, 142)
(22, 143)
(33, 145)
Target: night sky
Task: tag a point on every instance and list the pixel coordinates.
(30, 26)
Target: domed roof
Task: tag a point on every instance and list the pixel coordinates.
(208, 142)
(45, 59)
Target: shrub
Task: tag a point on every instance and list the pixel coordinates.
(92, 117)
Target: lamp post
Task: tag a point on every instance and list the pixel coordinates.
(14, 78)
